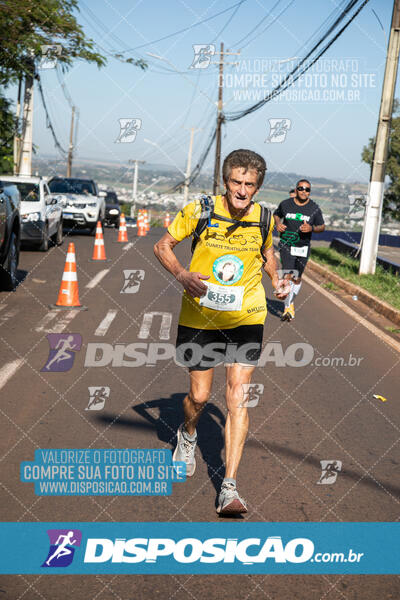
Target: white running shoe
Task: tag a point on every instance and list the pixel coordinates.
(184, 451)
(229, 501)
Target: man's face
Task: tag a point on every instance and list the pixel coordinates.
(241, 187)
(301, 193)
(228, 271)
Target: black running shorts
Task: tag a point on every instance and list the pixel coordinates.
(202, 349)
(290, 263)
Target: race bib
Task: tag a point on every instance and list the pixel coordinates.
(220, 297)
(299, 251)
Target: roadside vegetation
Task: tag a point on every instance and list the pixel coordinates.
(383, 285)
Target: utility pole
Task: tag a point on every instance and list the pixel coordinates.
(220, 117)
(373, 213)
(135, 181)
(17, 139)
(71, 144)
(188, 166)
(24, 164)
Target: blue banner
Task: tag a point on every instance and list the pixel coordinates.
(200, 548)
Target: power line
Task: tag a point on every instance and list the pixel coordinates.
(228, 21)
(165, 37)
(49, 124)
(237, 44)
(302, 68)
(285, 8)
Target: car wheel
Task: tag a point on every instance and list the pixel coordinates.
(58, 236)
(44, 246)
(8, 274)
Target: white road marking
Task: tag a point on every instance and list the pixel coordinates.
(165, 328)
(352, 313)
(96, 279)
(127, 246)
(9, 370)
(2, 306)
(8, 315)
(106, 322)
(66, 318)
(46, 320)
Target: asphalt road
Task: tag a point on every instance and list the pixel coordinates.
(305, 414)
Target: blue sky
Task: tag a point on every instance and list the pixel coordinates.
(325, 137)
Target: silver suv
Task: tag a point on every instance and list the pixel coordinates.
(83, 204)
(41, 214)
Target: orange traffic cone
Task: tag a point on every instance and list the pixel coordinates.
(167, 220)
(99, 252)
(122, 232)
(146, 220)
(141, 227)
(68, 296)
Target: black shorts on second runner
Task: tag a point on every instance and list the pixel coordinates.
(290, 263)
(202, 349)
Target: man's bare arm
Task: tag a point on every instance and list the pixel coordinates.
(164, 251)
(270, 267)
(279, 224)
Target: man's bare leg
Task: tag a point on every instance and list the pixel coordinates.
(193, 404)
(195, 401)
(237, 421)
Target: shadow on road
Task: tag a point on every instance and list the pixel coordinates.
(361, 478)
(165, 415)
(275, 307)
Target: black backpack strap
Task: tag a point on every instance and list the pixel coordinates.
(207, 212)
(265, 223)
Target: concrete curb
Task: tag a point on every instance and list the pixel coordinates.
(372, 301)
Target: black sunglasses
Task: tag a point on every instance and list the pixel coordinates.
(301, 188)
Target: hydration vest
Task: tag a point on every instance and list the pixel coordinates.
(207, 213)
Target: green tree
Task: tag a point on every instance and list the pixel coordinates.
(391, 199)
(26, 26)
(7, 129)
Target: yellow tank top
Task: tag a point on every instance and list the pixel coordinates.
(231, 260)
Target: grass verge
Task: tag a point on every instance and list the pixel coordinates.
(383, 285)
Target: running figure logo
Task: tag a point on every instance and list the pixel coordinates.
(49, 56)
(97, 397)
(202, 55)
(133, 279)
(62, 547)
(62, 351)
(251, 393)
(128, 130)
(357, 205)
(330, 470)
(278, 129)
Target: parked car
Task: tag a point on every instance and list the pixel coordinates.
(83, 204)
(10, 229)
(131, 221)
(113, 209)
(41, 213)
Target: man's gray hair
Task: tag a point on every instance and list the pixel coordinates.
(247, 160)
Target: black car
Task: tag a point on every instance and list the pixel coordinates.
(10, 232)
(113, 210)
